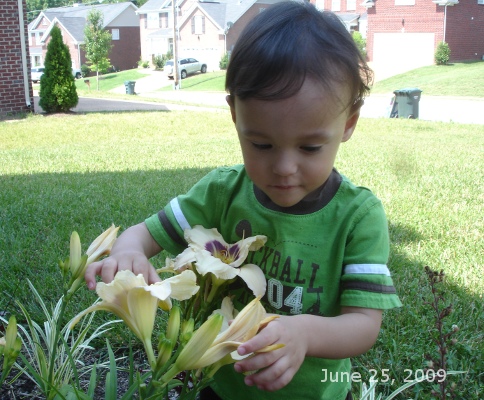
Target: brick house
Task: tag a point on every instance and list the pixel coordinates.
(118, 18)
(16, 93)
(206, 29)
(404, 34)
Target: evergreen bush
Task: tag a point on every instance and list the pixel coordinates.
(224, 61)
(57, 87)
(360, 43)
(442, 54)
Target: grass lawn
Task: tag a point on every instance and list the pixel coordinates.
(62, 173)
(460, 79)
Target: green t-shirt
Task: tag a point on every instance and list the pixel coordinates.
(328, 251)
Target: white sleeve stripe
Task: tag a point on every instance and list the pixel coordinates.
(381, 269)
(180, 218)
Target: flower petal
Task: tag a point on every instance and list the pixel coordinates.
(102, 244)
(183, 286)
(198, 237)
(254, 278)
(252, 243)
(207, 263)
(142, 309)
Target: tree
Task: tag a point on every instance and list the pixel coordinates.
(97, 42)
(57, 87)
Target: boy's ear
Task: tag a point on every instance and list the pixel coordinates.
(230, 102)
(352, 120)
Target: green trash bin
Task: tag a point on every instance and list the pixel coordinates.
(129, 85)
(406, 103)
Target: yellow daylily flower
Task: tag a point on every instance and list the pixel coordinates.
(77, 264)
(211, 254)
(130, 298)
(102, 244)
(206, 347)
(245, 326)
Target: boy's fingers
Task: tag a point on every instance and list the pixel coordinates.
(109, 268)
(153, 277)
(90, 276)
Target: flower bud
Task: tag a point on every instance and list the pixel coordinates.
(199, 343)
(173, 325)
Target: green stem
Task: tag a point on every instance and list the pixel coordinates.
(149, 353)
(170, 374)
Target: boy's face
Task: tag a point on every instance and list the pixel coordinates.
(289, 146)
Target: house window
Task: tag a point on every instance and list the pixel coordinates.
(320, 4)
(198, 25)
(350, 5)
(115, 34)
(404, 2)
(38, 38)
(153, 20)
(336, 5)
(164, 20)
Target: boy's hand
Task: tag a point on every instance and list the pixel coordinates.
(279, 365)
(347, 335)
(107, 268)
(131, 251)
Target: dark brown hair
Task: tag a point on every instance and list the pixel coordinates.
(288, 42)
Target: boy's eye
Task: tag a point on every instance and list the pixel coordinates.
(260, 146)
(311, 149)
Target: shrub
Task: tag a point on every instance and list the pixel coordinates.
(442, 54)
(143, 63)
(360, 43)
(224, 61)
(57, 87)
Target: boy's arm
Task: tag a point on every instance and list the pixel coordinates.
(347, 335)
(130, 251)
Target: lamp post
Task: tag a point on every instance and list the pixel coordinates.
(445, 3)
(176, 84)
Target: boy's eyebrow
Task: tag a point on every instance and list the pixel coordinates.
(309, 136)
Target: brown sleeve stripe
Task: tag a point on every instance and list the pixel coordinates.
(170, 230)
(368, 287)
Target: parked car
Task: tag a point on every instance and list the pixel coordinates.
(186, 66)
(37, 72)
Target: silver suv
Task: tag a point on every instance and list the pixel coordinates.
(37, 72)
(186, 66)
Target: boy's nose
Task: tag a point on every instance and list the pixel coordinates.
(284, 165)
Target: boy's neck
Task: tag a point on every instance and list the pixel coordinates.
(313, 202)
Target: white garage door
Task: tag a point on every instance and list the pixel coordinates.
(395, 53)
(208, 55)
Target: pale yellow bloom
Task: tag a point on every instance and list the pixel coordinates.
(211, 254)
(180, 287)
(3, 342)
(131, 299)
(208, 348)
(102, 244)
